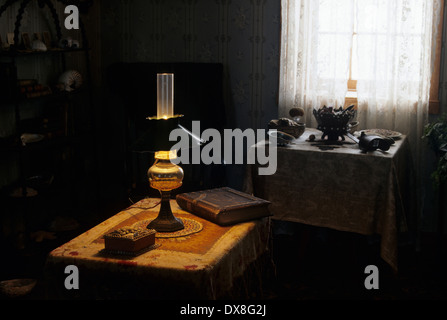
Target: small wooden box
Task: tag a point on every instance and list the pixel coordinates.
(129, 240)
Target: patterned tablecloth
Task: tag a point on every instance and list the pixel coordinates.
(339, 187)
(202, 264)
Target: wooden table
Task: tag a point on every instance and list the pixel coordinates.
(339, 187)
(202, 265)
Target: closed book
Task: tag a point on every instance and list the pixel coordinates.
(224, 206)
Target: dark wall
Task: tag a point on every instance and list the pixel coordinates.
(241, 35)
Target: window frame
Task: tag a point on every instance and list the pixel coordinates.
(434, 103)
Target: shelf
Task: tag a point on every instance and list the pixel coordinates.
(37, 185)
(24, 53)
(46, 143)
(53, 96)
(63, 118)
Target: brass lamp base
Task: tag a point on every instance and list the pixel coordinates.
(165, 176)
(165, 221)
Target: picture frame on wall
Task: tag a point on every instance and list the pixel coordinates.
(37, 36)
(46, 38)
(26, 40)
(10, 38)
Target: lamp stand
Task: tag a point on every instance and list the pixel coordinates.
(165, 221)
(165, 176)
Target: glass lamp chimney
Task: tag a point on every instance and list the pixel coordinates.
(165, 95)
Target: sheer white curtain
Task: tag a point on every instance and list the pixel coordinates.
(315, 53)
(395, 64)
(393, 59)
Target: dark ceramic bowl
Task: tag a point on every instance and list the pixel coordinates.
(334, 125)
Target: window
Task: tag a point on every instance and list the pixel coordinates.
(382, 55)
(351, 96)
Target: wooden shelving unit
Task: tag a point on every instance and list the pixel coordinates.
(52, 167)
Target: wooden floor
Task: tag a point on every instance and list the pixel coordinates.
(331, 264)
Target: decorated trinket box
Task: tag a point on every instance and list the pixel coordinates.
(128, 240)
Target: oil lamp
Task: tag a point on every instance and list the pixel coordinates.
(164, 175)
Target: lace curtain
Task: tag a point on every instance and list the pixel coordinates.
(315, 54)
(390, 42)
(393, 57)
